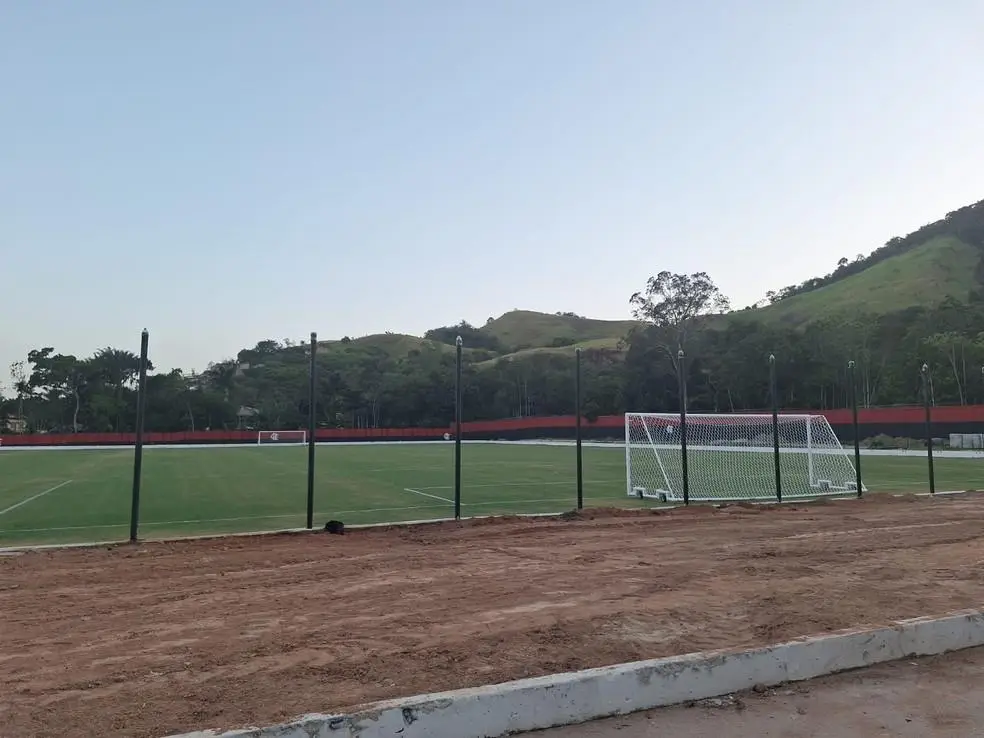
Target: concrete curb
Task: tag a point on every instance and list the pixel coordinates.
(565, 699)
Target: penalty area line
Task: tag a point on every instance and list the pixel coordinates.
(427, 494)
(34, 497)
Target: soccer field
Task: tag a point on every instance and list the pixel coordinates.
(76, 495)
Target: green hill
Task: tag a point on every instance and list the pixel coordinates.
(939, 262)
(392, 344)
(916, 301)
(923, 276)
(524, 329)
(514, 334)
(613, 345)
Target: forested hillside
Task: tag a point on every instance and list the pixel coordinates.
(919, 298)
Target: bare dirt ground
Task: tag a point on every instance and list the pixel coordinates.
(161, 638)
(936, 697)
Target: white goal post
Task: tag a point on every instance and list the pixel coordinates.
(281, 437)
(732, 457)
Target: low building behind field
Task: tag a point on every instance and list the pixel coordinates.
(967, 440)
(13, 425)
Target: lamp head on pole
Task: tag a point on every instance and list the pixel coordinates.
(458, 342)
(850, 364)
(772, 358)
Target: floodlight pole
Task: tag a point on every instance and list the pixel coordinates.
(929, 428)
(457, 428)
(577, 427)
(138, 439)
(311, 428)
(774, 392)
(853, 390)
(682, 370)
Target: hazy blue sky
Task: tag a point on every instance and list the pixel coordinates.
(230, 170)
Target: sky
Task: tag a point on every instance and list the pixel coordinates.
(228, 171)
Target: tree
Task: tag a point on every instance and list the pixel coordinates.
(22, 388)
(470, 335)
(115, 370)
(60, 378)
(673, 300)
(672, 303)
(955, 349)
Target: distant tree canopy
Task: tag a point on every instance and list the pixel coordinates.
(470, 336)
(401, 381)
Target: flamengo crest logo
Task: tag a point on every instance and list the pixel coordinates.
(275, 437)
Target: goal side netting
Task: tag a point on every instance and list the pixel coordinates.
(732, 457)
(281, 438)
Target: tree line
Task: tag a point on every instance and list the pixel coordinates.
(682, 333)
(362, 385)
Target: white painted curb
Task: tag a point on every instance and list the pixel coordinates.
(565, 699)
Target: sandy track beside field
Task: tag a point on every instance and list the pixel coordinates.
(159, 638)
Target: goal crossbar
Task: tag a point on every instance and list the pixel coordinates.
(731, 457)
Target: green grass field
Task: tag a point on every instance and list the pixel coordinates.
(70, 495)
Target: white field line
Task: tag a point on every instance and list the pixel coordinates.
(301, 514)
(208, 536)
(427, 494)
(34, 497)
(471, 463)
(532, 483)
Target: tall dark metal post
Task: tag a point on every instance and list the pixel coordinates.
(853, 392)
(682, 368)
(774, 392)
(929, 428)
(138, 440)
(457, 429)
(312, 401)
(577, 427)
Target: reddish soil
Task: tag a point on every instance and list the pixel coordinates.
(168, 637)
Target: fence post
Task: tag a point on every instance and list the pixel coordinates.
(774, 392)
(311, 428)
(457, 428)
(929, 428)
(577, 427)
(854, 419)
(682, 369)
(138, 440)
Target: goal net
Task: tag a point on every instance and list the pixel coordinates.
(281, 438)
(732, 457)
